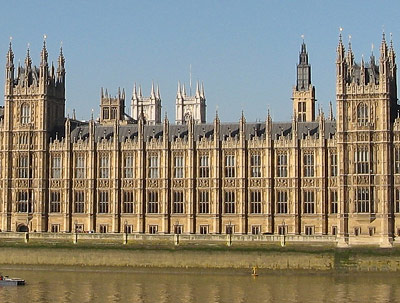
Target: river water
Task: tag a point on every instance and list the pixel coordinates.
(77, 284)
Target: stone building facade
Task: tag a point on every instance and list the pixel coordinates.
(313, 175)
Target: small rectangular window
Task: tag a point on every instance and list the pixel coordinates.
(153, 229)
(255, 229)
(203, 229)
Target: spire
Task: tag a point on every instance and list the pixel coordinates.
(340, 48)
(158, 92)
(61, 65)
(28, 60)
(10, 63)
(44, 54)
(123, 94)
(183, 90)
(152, 93)
(134, 93)
(102, 93)
(303, 70)
(392, 55)
(140, 91)
(202, 90)
(330, 111)
(350, 55)
(10, 55)
(384, 47)
(197, 90)
(179, 92)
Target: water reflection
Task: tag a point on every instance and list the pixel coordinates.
(56, 284)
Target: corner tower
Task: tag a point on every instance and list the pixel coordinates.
(304, 92)
(366, 109)
(34, 112)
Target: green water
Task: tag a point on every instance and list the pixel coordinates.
(76, 284)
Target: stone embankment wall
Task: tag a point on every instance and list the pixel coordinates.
(188, 251)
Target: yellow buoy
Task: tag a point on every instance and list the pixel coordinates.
(254, 271)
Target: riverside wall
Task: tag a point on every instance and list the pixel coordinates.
(168, 251)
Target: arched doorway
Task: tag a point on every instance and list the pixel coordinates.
(22, 228)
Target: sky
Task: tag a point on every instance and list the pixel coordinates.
(245, 52)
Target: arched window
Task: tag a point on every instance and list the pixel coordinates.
(362, 114)
(25, 114)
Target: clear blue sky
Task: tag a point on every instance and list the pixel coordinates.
(244, 51)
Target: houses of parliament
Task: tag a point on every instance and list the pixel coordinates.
(136, 172)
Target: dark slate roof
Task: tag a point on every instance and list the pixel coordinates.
(81, 130)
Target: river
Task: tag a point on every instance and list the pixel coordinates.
(77, 284)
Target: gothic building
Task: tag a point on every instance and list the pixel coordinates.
(313, 175)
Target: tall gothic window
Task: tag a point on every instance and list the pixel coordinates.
(55, 203)
(103, 202)
(282, 202)
(25, 114)
(79, 166)
(229, 202)
(153, 166)
(79, 203)
(397, 160)
(152, 204)
(178, 202)
(282, 163)
(229, 166)
(128, 202)
(178, 167)
(23, 167)
(364, 200)
(334, 202)
(255, 202)
(204, 167)
(106, 113)
(22, 202)
(334, 165)
(56, 167)
(301, 109)
(255, 165)
(308, 165)
(361, 160)
(128, 166)
(362, 114)
(104, 167)
(204, 202)
(309, 202)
